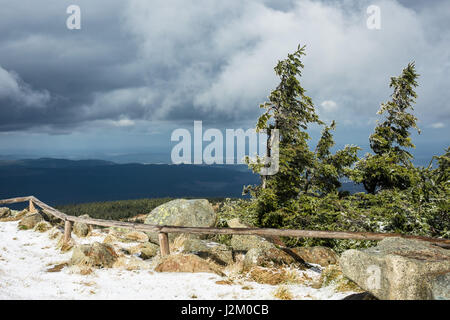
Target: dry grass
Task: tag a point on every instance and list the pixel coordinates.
(42, 226)
(283, 293)
(65, 246)
(225, 282)
(57, 268)
(19, 216)
(110, 239)
(140, 218)
(54, 233)
(88, 284)
(247, 288)
(277, 276)
(86, 271)
(178, 242)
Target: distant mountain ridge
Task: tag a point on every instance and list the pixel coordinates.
(62, 181)
(55, 163)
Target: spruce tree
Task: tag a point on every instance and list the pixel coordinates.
(301, 170)
(390, 166)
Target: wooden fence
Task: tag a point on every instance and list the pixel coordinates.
(163, 231)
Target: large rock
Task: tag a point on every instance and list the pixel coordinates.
(270, 258)
(186, 263)
(440, 287)
(94, 255)
(5, 212)
(181, 212)
(219, 253)
(136, 236)
(400, 269)
(245, 243)
(332, 275)
(42, 226)
(131, 263)
(317, 255)
(146, 250)
(13, 215)
(30, 221)
(82, 229)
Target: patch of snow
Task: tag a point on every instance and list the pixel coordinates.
(26, 255)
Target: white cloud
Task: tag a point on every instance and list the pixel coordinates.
(219, 56)
(438, 125)
(135, 102)
(13, 88)
(329, 106)
(123, 123)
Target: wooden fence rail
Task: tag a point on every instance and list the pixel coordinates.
(163, 231)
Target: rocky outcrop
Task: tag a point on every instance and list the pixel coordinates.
(13, 215)
(333, 276)
(317, 255)
(219, 253)
(400, 269)
(93, 255)
(82, 229)
(440, 287)
(42, 226)
(146, 250)
(5, 212)
(245, 243)
(136, 236)
(181, 212)
(270, 258)
(131, 263)
(30, 221)
(186, 263)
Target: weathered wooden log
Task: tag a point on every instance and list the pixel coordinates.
(445, 243)
(302, 234)
(164, 244)
(49, 209)
(67, 231)
(31, 207)
(15, 200)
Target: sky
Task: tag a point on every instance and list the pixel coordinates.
(137, 70)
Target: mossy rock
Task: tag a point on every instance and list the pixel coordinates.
(333, 276)
(219, 253)
(245, 243)
(30, 221)
(181, 213)
(42, 226)
(270, 258)
(5, 212)
(187, 263)
(145, 250)
(98, 255)
(82, 229)
(317, 255)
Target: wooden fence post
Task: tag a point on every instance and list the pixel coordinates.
(67, 231)
(164, 244)
(31, 207)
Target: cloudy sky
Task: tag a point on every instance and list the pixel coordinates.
(136, 70)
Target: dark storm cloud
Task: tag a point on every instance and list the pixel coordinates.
(209, 60)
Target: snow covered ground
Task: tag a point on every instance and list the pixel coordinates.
(26, 255)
